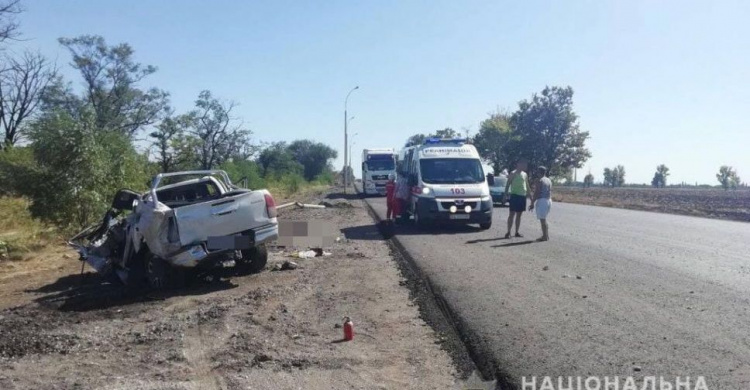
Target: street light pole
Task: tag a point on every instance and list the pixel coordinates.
(351, 146)
(346, 139)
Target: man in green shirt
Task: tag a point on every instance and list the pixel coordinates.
(518, 184)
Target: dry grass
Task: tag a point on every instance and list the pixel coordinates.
(20, 234)
(282, 193)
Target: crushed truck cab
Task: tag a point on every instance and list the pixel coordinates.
(197, 221)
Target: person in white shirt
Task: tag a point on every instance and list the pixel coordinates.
(542, 201)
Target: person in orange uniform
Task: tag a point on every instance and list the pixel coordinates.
(392, 205)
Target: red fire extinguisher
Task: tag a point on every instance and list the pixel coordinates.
(348, 329)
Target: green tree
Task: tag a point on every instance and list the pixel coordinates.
(174, 150)
(244, 172)
(493, 139)
(111, 77)
(547, 132)
(618, 174)
(313, 156)
(416, 139)
(588, 181)
(660, 176)
(735, 181)
(219, 135)
(609, 177)
(444, 133)
(80, 167)
(276, 160)
(725, 176)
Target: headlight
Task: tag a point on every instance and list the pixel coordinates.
(453, 209)
(485, 198)
(425, 190)
(467, 209)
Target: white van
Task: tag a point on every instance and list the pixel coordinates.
(448, 183)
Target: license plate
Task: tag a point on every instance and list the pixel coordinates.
(459, 216)
(229, 242)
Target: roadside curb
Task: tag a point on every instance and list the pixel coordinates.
(471, 346)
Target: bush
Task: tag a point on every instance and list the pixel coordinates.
(238, 170)
(17, 166)
(292, 183)
(26, 233)
(325, 178)
(80, 167)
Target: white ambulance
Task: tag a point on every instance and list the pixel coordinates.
(447, 183)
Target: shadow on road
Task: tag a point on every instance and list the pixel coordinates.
(89, 291)
(438, 229)
(363, 232)
(351, 195)
(485, 240)
(515, 243)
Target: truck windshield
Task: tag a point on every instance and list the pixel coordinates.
(451, 170)
(381, 165)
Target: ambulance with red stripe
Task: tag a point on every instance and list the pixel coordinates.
(447, 183)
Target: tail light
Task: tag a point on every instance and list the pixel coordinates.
(270, 206)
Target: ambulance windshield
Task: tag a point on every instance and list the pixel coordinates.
(451, 170)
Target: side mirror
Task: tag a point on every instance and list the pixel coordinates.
(412, 180)
(363, 166)
(491, 180)
(125, 200)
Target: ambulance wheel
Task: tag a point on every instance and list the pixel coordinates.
(418, 220)
(486, 225)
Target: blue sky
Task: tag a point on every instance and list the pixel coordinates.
(655, 81)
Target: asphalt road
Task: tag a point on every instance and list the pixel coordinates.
(658, 295)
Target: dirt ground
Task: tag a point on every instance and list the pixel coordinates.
(708, 203)
(60, 329)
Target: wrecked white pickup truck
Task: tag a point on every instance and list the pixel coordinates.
(186, 227)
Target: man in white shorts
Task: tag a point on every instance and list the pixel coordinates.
(542, 201)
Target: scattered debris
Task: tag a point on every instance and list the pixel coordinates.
(565, 276)
(285, 205)
(340, 204)
(545, 268)
(637, 368)
(310, 206)
(289, 265)
(315, 252)
(579, 277)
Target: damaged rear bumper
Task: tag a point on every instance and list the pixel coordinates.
(194, 255)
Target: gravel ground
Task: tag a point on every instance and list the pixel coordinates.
(276, 329)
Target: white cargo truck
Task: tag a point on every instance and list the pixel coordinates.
(377, 164)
